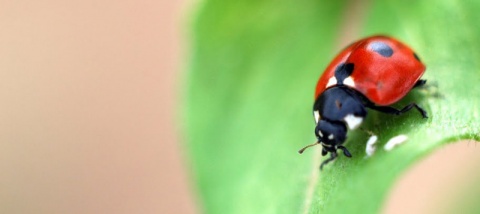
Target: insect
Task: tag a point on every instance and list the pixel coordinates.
(374, 73)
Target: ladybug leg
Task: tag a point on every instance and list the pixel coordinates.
(345, 151)
(420, 83)
(391, 110)
(332, 157)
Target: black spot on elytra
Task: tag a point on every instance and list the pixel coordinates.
(343, 71)
(381, 48)
(416, 57)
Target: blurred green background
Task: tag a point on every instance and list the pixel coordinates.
(251, 78)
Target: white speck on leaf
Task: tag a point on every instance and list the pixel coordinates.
(370, 149)
(394, 141)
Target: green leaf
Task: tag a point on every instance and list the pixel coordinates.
(252, 75)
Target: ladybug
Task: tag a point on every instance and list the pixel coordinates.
(374, 72)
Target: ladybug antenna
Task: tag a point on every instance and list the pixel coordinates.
(303, 149)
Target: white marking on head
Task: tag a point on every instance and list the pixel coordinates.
(326, 145)
(352, 121)
(331, 136)
(332, 81)
(320, 133)
(394, 141)
(316, 115)
(370, 149)
(349, 81)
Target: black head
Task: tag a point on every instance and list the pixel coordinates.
(330, 134)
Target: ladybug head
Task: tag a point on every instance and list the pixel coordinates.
(331, 135)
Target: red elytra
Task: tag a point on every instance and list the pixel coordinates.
(382, 79)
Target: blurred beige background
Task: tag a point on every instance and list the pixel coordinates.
(87, 96)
